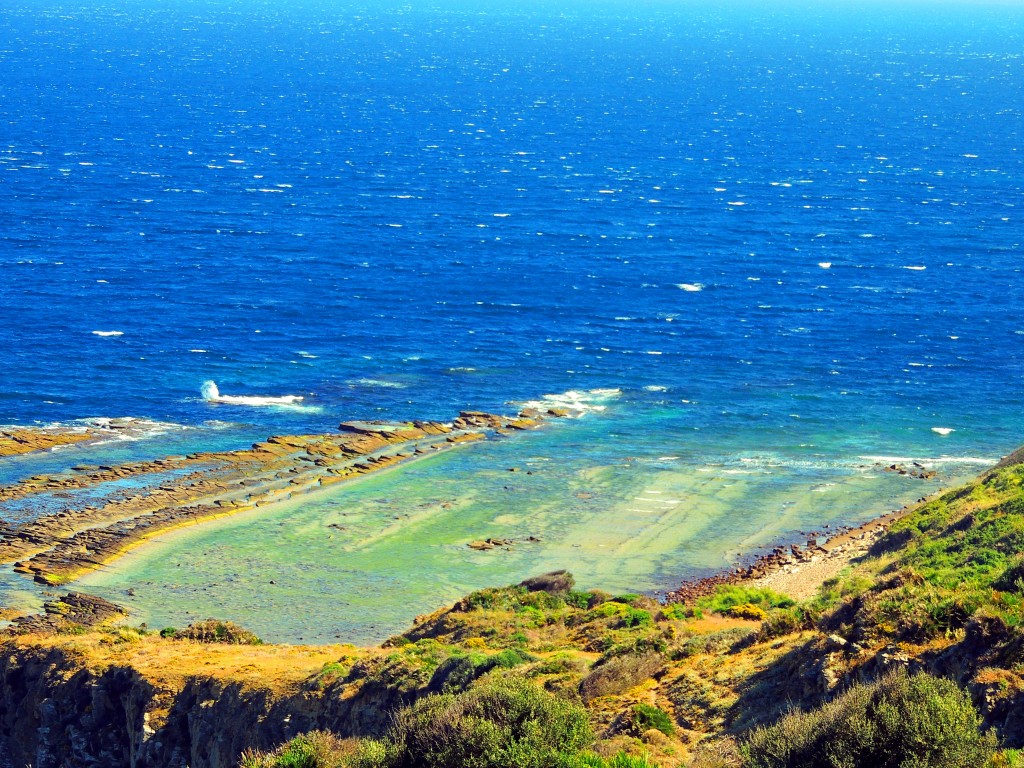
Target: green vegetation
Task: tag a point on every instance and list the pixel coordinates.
(317, 749)
(214, 631)
(502, 722)
(730, 596)
(898, 722)
(954, 562)
(646, 717)
(1008, 758)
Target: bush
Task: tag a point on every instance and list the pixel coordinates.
(635, 617)
(728, 596)
(619, 674)
(723, 641)
(1012, 579)
(679, 611)
(500, 723)
(620, 760)
(896, 722)
(784, 621)
(748, 611)
(214, 631)
(559, 663)
(646, 717)
(329, 674)
(629, 598)
(578, 599)
(555, 583)
(1008, 758)
(316, 749)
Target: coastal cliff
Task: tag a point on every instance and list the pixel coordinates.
(936, 595)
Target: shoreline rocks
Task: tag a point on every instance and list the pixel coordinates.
(71, 612)
(63, 546)
(17, 442)
(766, 570)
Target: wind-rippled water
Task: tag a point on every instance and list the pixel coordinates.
(789, 236)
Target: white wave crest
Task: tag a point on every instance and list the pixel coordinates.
(108, 333)
(125, 428)
(980, 461)
(382, 383)
(574, 402)
(211, 394)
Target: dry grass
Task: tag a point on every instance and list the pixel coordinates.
(169, 663)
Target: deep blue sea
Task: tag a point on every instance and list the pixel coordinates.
(788, 235)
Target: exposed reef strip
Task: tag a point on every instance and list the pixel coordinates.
(62, 547)
(18, 441)
(86, 476)
(74, 610)
(15, 442)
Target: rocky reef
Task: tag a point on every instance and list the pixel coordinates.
(17, 441)
(60, 547)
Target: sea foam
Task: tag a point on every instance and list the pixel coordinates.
(575, 402)
(211, 394)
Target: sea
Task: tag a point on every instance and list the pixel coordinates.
(761, 250)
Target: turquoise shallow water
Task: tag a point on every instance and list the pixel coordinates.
(790, 237)
(357, 562)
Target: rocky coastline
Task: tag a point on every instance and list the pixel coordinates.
(796, 569)
(20, 441)
(189, 490)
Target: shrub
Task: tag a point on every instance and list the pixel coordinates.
(628, 598)
(679, 611)
(620, 760)
(619, 674)
(896, 722)
(121, 635)
(1012, 579)
(727, 596)
(214, 631)
(1008, 758)
(578, 599)
(635, 617)
(748, 611)
(511, 657)
(316, 749)
(458, 671)
(555, 583)
(329, 674)
(557, 664)
(500, 723)
(646, 717)
(722, 641)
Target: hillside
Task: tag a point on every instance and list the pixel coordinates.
(628, 682)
